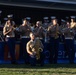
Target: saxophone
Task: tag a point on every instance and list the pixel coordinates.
(36, 50)
(38, 53)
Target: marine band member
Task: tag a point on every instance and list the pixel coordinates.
(8, 31)
(45, 23)
(39, 31)
(69, 34)
(35, 50)
(10, 17)
(72, 23)
(24, 30)
(53, 32)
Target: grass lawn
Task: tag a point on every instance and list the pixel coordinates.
(53, 69)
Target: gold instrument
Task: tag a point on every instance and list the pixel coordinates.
(37, 49)
(56, 32)
(40, 49)
(68, 32)
(36, 53)
(56, 35)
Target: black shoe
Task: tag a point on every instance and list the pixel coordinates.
(14, 62)
(51, 62)
(55, 62)
(27, 63)
(41, 65)
(71, 62)
(33, 65)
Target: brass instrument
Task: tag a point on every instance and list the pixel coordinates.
(14, 27)
(57, 32)
(36, 50)
(56, 35)
(53, 29)
(38, 53)
(68, 32)
(40, 49)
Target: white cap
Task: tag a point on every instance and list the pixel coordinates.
(53, 17)
(5, 19)
(38, 22)
(28, 18)
(72, 16)
(0, 11)
(62, 20)
(11, 15)
(67, 17)
(45, 18)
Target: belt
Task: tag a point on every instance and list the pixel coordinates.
(25, 37)
(9, 36)
(69, 38)
(39, 38)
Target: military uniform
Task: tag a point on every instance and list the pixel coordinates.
(36, 47)
(39, 31)
(62, 39)
(69, 34)
(24, 35)
(53, 31)
(61, 27)
(45, 24)
(8, 32)
(72, 23)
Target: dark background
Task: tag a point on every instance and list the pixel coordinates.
(35, 13)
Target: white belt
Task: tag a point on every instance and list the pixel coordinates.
(38, 38)
(25, 37)
(10, 36)
(69, 38)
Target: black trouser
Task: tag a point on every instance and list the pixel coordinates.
(11, 46)
(54, 44)
(23, 53)
(33, 60)
(70, 49)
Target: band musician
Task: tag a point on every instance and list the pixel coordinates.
(9, 34)
(24, 30)
(35, 50)
(53, 32)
